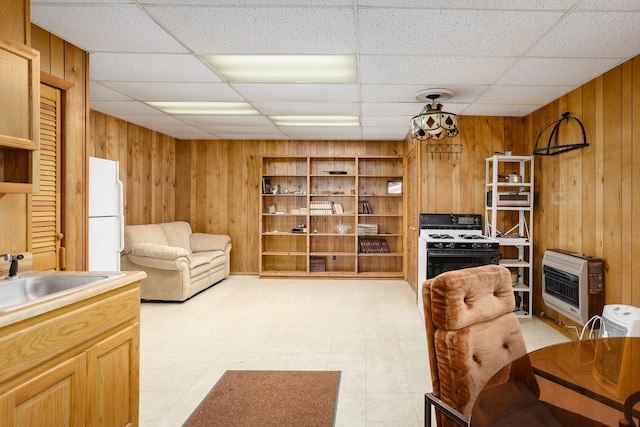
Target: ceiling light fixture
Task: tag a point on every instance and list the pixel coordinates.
(205, 108)
(285, 68)
(316, 120)
(432, 122)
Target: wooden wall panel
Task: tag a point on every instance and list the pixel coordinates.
(588, 200)
(147, 167)
(224, 179)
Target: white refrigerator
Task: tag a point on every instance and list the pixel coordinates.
(106, 219)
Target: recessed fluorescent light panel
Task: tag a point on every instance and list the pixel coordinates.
(205, 108)
(285, 68)
(315, 120)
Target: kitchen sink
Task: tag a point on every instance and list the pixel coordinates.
(23, 291)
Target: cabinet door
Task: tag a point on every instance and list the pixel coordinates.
(55, 398)
(113, 380)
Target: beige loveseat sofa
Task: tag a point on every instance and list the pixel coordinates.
(178, 263)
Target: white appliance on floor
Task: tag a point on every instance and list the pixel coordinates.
(106, 215)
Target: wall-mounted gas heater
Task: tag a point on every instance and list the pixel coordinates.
(573, 284)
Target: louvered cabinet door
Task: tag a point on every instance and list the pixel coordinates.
(45, 224)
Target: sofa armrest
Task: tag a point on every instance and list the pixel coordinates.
(159, 256)
(202, 242)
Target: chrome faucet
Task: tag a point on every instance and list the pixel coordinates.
(13, 268)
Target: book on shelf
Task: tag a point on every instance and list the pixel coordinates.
(266, 185)
(338, 209)
(317, 265)
(373, 246)
(367, 229)
(321, 207)
(364, 207)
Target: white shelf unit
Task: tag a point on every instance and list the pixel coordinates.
(509, 218)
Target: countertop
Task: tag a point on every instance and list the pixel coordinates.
(38, 308)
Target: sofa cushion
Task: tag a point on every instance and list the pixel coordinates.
(215, 258)
(151, 233)
(201, 242)
(199, 265)
(178, 233)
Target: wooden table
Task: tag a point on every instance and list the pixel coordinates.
(590, 378)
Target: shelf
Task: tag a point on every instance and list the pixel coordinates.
(387, 254)
(516, 253)
(308, 181)
(287, 253)
(514, 242)
(513, 263)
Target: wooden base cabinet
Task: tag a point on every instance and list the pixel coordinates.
(332, 216)
(74, 366)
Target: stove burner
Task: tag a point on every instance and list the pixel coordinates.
(472, 236)
(441, 236)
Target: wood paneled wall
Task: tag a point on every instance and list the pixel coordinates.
(147, 167)
(219, 186)
(588, 200)
(67, 67)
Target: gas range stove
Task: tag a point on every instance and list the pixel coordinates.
(456, 239)
(452, 242)
(454, 231)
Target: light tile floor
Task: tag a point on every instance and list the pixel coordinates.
(371, 330)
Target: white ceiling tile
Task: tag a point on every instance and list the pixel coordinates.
(476, 4)
(255, 131)
(204, 121)
(100, 92)
(535, 95)
(115, 28)
(585, 34)
(209, 30)
(452, 32)
(390, 121)
(153, 120)
(299, 92)
(558, 72)
(165, 91)
(628, 5)
(150, 68)
(184, 132)
(118, 108)
(407, 93)
(404, 109)
(500, 110)
(500, 57)
(432, 71)
(324, 132)
(307, 108)
(387, 133)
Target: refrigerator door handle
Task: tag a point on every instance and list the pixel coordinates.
(121, 214)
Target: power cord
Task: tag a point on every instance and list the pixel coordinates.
(579, 334)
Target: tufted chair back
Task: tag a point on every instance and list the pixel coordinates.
(472, 333)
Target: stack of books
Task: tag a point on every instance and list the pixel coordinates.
(367, 229)
(317, 265)
(373, 246)
(321, 207)
(364, 207)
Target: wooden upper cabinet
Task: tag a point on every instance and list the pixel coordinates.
(19, 116)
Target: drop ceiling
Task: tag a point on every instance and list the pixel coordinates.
(499, 57)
